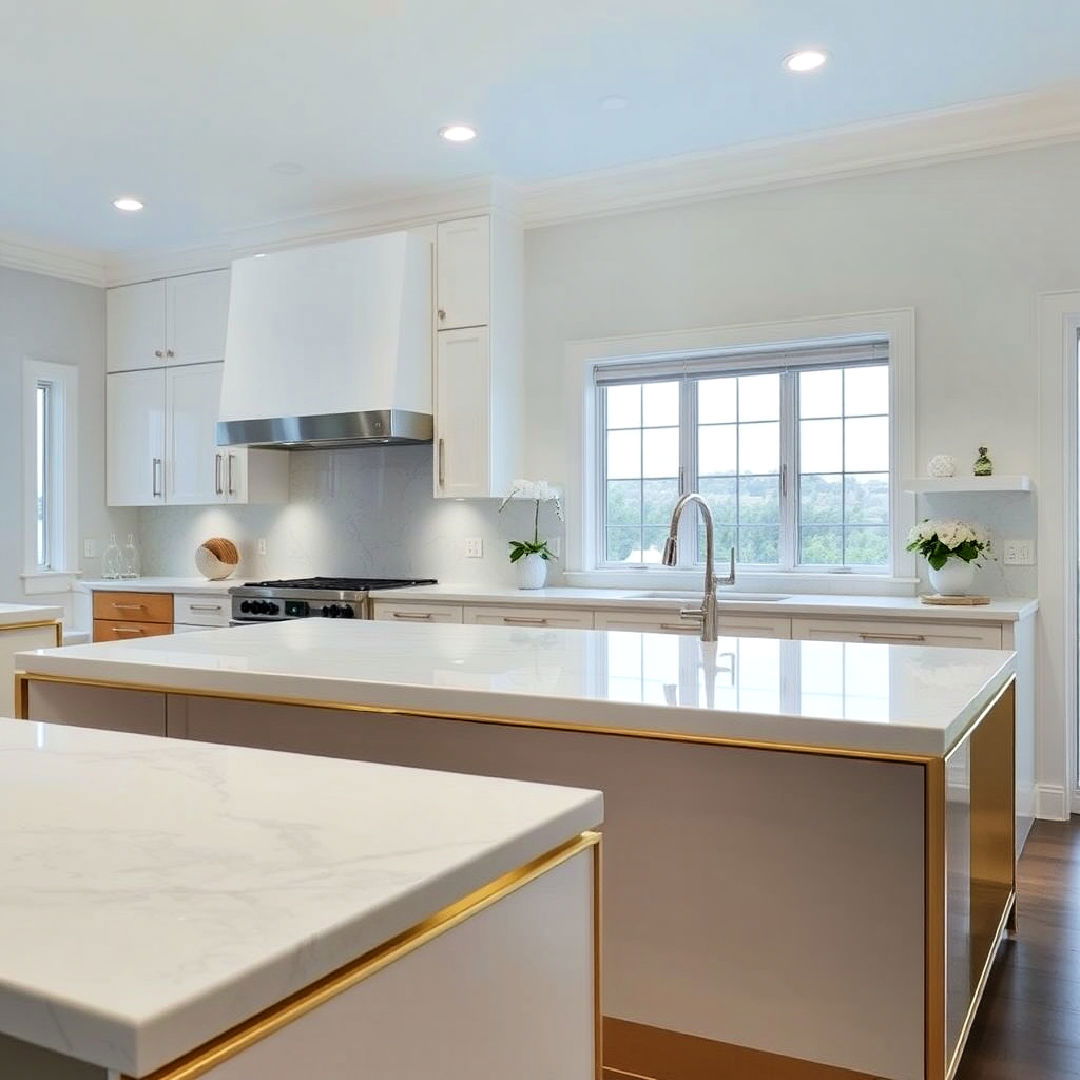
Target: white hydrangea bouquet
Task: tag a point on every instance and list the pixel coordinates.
(939, 541)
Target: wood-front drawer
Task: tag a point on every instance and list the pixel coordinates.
(540, 617)
(202, 610)
(139, 607)
(121, 630)
(390, 611)
(898, 632)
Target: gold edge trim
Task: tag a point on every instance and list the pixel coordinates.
(1010, 683)
(976, 1000)
(934, 897)
(58, 623)
(598, 958)
(258, 1027)
(479, 718)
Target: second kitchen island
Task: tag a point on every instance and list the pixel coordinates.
(809, 846)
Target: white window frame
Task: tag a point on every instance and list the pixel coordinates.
(897, 327)
(63, 521)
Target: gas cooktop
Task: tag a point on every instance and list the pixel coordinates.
(340, 584)
(314, 597)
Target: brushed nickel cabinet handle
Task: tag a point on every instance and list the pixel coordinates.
(442, 463)
(169, 353)
(418, 615)
(204, 607)
(157, 353)
(157, 477)
(217, 475)
(893, 637)
(442, 315)
(524, 620)
(678, 626)
(229, 475)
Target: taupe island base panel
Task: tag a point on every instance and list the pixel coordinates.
(770, 909)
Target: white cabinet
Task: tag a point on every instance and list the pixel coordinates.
(540, 617)
(463, 276)
(391, 611)
(197, 314)
(643, 622)
(179, 320)
(161, 444)
(463, 444)
(478, 357)
(135, 441)
(199, 612)
(898, 632)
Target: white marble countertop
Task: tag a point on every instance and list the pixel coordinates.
(134, 929)
(191, 586)
(16, 614)
(872, 698)
(909, 607)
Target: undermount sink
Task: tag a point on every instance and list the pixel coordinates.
(731, 597)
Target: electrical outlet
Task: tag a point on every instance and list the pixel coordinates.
(89, 548)
(260, 546)
(474, 547)
(1018, 552)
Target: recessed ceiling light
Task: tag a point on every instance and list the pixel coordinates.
(128, 204)
(806, 60)
(613, 103)
(287, 168)
(458, 133)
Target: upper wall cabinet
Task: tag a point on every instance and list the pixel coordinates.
(464, 273)
(478, 357)
(179, 320)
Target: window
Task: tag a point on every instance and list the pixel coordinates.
(790, 447)
(49, 399)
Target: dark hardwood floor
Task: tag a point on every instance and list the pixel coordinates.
(1029, 1025)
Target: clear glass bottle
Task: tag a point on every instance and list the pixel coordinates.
(130, 568)
(112, 561)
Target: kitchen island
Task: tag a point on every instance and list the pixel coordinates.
(809, 845)
(22, 627)
(181, 910)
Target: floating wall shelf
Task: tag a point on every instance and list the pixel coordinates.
(966, 485)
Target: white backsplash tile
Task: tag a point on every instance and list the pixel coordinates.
(363, 511)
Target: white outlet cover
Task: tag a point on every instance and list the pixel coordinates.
(260, 546)
(89, 548)
(1018, 552)
(474, 547)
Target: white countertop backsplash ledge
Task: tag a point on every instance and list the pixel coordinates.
(127, 940)
(872, 698)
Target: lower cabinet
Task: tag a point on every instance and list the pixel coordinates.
(898, 632)
(389, 611)
(641, 622)
(550, 618)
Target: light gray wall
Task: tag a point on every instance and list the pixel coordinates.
(44, 318)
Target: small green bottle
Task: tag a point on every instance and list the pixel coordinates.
(983, 465)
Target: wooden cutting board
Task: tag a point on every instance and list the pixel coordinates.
(963, 601)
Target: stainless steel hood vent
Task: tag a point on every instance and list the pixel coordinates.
(330, 346)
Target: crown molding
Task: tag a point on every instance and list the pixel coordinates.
(997, 125)
(992, 126)
(54, 260)
(411, 211)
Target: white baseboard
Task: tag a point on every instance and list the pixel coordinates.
(1051, 802)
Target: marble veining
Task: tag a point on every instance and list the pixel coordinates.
(156, 892)
(877, 698)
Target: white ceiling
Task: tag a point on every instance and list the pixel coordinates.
(189, 105)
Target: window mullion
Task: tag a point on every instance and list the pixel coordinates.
(688, 478)
(789, 475)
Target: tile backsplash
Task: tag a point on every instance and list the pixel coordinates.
(351, 512)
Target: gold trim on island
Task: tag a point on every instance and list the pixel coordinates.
(234, 1041)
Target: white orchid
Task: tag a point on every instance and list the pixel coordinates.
(539, 491)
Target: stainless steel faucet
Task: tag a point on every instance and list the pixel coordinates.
(707, 611)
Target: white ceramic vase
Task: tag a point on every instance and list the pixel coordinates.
(531, 571)
(955, 578)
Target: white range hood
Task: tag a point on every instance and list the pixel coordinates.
(330, 345)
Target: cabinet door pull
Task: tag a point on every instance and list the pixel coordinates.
(893, 637)
(678, 626)
(157, 477)
(229, 474)
(128, 607)
(217, 475)
(417, 615)
(169, 353)
(442, 463)
(157, 353)
(128, 630)
(204, 607)
(524, 620)
(442, 315)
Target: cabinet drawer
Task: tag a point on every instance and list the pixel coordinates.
(121, 630)
(545, 618)
(140, 607)
(898, 632)
(202, 610)
(430, 613)
(643, 622)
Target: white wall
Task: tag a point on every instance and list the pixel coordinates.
(44, 318)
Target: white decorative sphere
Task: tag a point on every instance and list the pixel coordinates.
(941, 465)
(216, 558)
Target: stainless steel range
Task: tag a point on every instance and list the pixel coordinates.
(311, 598)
